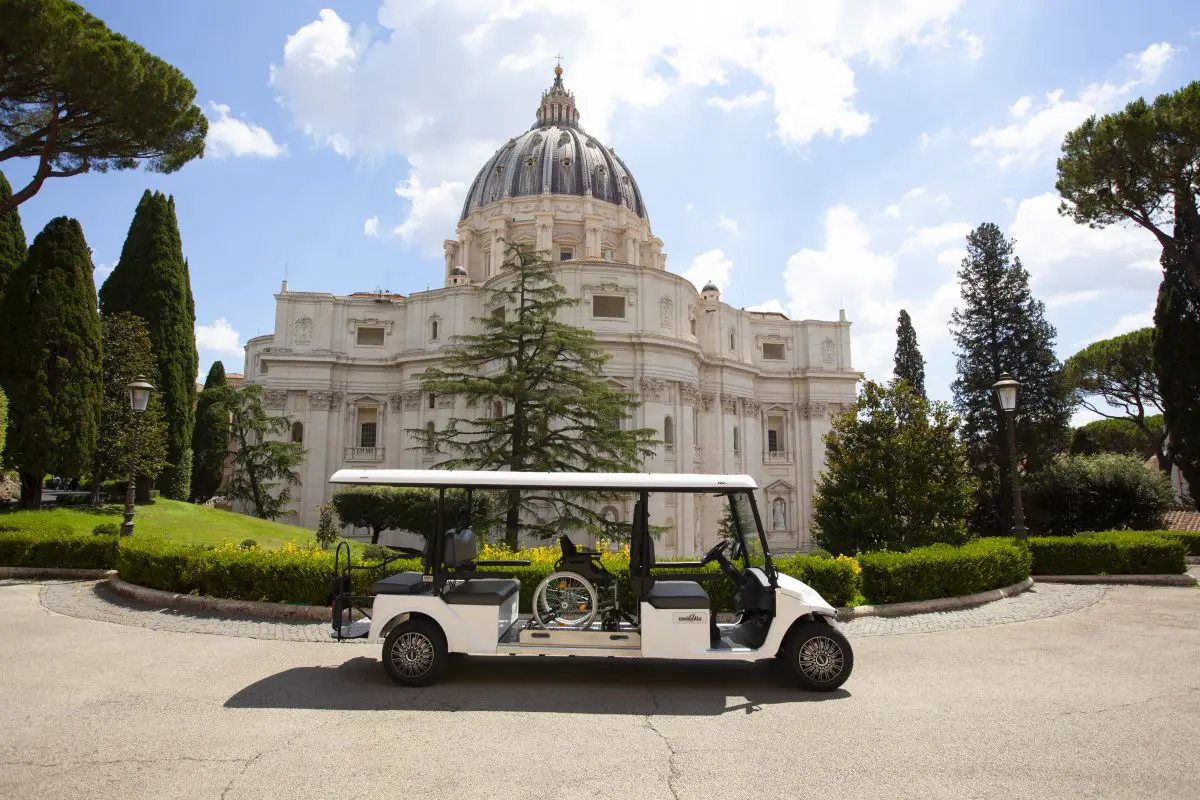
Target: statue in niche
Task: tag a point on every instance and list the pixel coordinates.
(610, 514)
(304, 330)
(827, 350)
(779, 514)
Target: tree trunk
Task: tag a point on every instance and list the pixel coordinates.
(141, 490)
(375, 535)
(31, 489)
(512, 519)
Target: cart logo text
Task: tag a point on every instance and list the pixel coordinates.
(688, 618)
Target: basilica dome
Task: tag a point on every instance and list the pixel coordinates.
(555, 156)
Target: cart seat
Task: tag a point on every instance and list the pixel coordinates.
(482, 592)
(678, 594)
(400, 583)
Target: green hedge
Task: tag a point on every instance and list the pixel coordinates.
(927, 573)
(56, 545)
(1109, 553)
(1190, 538)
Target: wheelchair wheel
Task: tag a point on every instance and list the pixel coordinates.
(565, 600)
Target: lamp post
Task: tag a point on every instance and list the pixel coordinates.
(139, 400)
(1006, 393)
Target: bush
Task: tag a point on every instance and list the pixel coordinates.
(819, 552)
(106, 529)
(1096, 493)
(56, 545)
(927, 573)
(248, 544)
(376, 552)
(327, 531)
(1108, 553)
(1191, 539)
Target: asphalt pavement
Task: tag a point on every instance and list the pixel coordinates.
(1103, 701)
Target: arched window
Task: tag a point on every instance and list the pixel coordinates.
(497, 409)
(737, 441)
(695, 427)
(430, 437)
(732, 345)
(432, 400)
(433, 330)
(298, 432)
(669, 430)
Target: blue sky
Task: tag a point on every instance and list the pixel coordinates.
(807, 156)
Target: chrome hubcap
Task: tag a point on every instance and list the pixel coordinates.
(412, 654)
(821, 659)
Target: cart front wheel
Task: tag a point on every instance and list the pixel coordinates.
(414, 653)
(820, 655)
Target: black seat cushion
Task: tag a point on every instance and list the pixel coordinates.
(482, 592)
(400, 583)
(678, 594)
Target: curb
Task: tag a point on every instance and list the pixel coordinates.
(845, 614)
(1130, 580)
(218, 605)
(54, 573)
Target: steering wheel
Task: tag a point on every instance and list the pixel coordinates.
(717, 553)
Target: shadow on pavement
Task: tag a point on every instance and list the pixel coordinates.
(538, 685)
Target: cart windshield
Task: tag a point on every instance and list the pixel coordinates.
(755, 551)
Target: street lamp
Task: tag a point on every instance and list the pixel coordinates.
(1006, 393)
(139, 400)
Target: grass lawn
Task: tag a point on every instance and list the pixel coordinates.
(175, 521)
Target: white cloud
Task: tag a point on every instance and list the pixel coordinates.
(744, 100)
(973, 43)
(340, 83)
(711, 265)
(101, 272)
(442, 202)
(913, 194)
(689, 206)
(942, 200)
(952, 258)
(371, 226)
(892, 211)
(235, 137)
(772, 306)
(1129, 322)
(1072, 298)
(935, 236)
(1039, 134)
(728, 224)
(219, 338)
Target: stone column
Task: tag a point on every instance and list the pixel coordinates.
(545, 230)
(591, 240)
(499, 229)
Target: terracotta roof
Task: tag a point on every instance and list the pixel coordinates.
(1181, 521)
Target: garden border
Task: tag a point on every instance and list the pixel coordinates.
(940, 604)
(54, 573)
(220, 605)
(1183, 579)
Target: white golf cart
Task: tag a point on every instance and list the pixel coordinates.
(459, 604)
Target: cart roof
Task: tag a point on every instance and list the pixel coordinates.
(610, 481)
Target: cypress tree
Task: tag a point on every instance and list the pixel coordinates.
(50, 350)
(12, 239)
(1002, 328)
(1177, 358)
(910, 366)
(210, 441)
(151, 281)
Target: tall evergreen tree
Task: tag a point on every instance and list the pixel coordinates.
(910, 365)
(127, 357)
(12, 238)
(50, 351)
(1002, 328)
(210, 441)
(1177, 357)
(151, 281)
(545, 402)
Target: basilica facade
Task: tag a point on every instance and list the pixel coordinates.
(728, 390)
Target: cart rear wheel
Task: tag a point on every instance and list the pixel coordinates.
(820, 655)
(414, 653)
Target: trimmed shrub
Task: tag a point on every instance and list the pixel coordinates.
(56, 546)
(1096, 493)
(1108, 553)
(819, 552)
(248, 544)
(927, 573)
(106, 529)
(1190, 538)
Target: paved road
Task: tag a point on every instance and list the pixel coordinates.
(1099, 702)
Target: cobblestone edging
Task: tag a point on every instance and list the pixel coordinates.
(54, 573)
(1132, 580)
(927, 606)
(219, 605)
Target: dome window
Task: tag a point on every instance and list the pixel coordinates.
(499, 168)
(566, 162)
(529, 162)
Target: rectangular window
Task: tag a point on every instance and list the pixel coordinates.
(772, 441)
(369, 337)
(772, 351)
(774, 435)
(262, 367)
(608, 306)
(566, 254)
(432, 400)
(498, 314)
(368, 426)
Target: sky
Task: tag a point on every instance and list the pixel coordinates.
(806, 156)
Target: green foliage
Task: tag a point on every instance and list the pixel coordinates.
(1121, 436)
(210, 438)
(13, 249)
(1108, 553)
(56, 546)
(1000, 328)
(247, 544)
(3, 423)
(1120, 371)
(819, 552)
(264, 469)
(376, 552)
(50, 358)
(76, 97)
(1096, 493)
(909, 363)
(926, 573)
(547, 404)
(151, 282)
(127, 357)
(106, 529)
(327, 530)
(1139, 165)
(895, 475)
(1190, 539)
(1176, 345)
(385, 508)
(181, 479)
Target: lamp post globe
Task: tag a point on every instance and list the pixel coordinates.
(1006, 389)
(139, 400)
